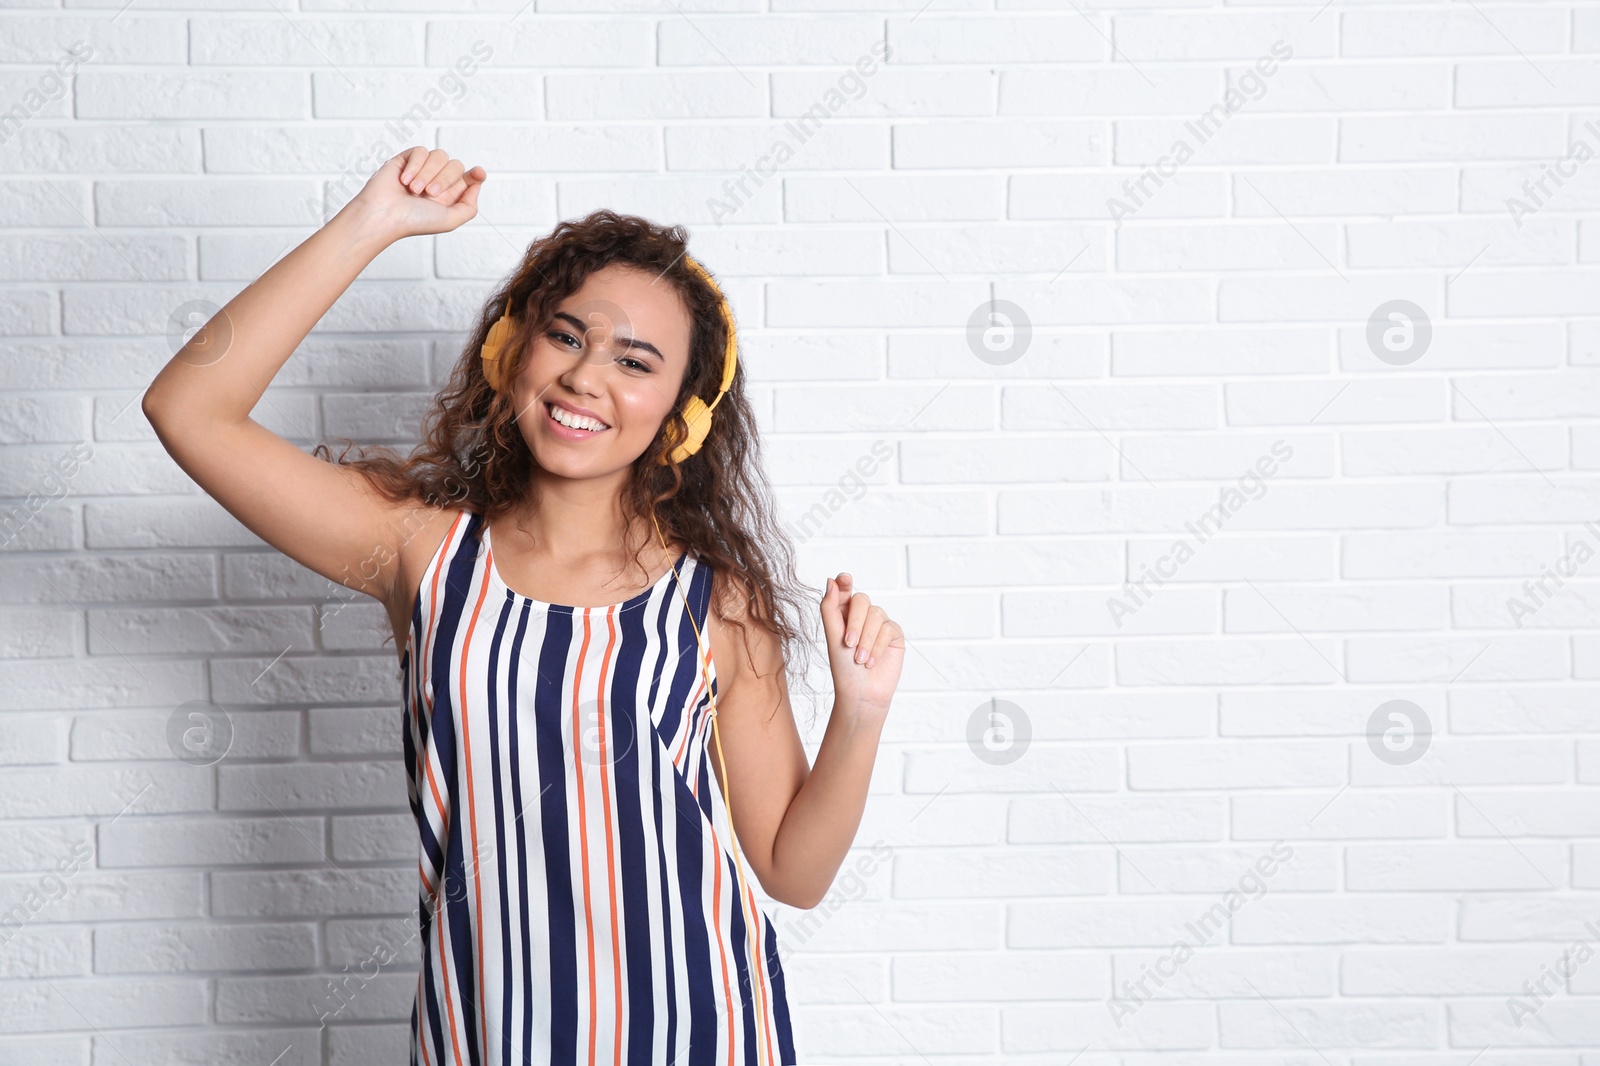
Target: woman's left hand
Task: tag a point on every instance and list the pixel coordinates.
(866, 648)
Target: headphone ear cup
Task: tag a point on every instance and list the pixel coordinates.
(493, 348)
(698, 417)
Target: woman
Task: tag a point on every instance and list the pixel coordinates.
(581, 898)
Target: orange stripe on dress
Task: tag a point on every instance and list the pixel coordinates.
(583, 824)
(722, 950)
(611, 855)
(761, 970)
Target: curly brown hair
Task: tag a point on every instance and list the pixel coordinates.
(717, 502)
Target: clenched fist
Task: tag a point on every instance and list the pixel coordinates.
(419, 192)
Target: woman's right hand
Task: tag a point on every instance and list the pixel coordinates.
(419, 192)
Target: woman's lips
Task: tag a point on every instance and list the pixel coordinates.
(567, 432)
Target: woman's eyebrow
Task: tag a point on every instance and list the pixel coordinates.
(622, 339)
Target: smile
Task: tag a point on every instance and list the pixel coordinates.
(569, 426)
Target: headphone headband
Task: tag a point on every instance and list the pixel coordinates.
(730, 357)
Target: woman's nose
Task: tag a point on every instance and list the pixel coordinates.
(588, 368)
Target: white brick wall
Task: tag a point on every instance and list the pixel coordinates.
(1205, 852)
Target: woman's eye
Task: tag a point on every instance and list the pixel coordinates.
(562, 336)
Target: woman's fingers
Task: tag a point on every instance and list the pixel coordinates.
(446, 180)
(450, 191)
(855, 618)
(867, 628)
(847, 608)
(453, 181)
(434, 174)
(869, 635)
(462, 193)
(438, 161)
(415, 156)
(474, 179)
(876, 632)
(856, 609)
(888, 633)
(425, 170)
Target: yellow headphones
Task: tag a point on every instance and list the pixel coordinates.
(696, 412)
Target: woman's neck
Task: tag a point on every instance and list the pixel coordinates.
(573, 523)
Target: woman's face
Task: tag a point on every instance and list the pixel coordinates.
(617, 348)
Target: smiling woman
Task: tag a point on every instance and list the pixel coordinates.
(593, 378)
(560, 714)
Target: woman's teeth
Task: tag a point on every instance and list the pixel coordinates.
(572, 421)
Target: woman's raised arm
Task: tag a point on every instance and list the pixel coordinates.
(324, 516)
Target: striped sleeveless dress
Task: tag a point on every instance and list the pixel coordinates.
(578, 901)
